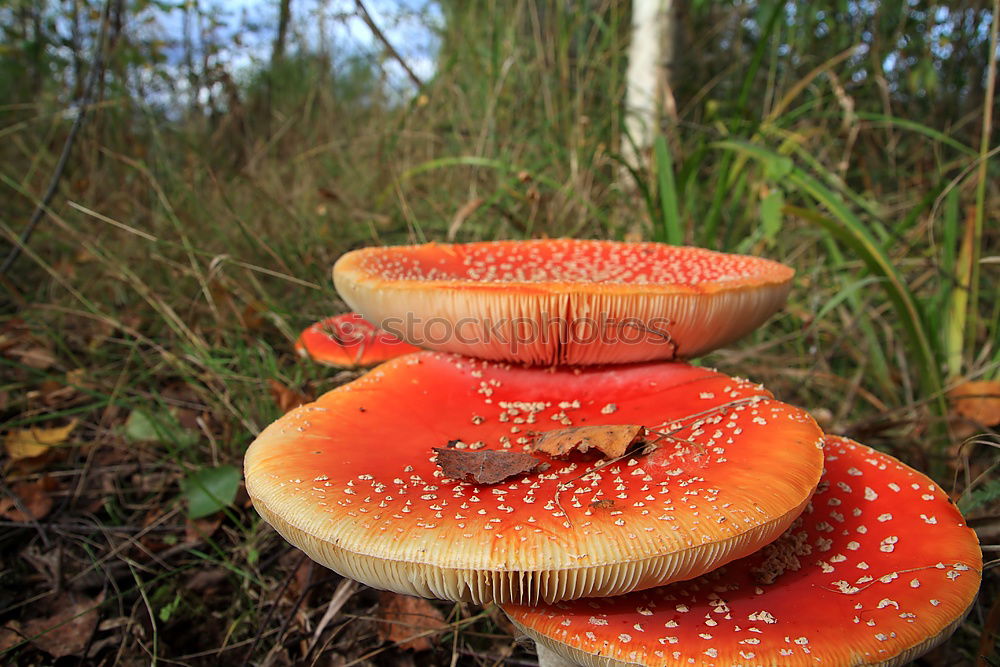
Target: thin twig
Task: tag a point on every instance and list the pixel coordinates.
(366, 17)
(345, 589)
(81, 115)
(270, 612)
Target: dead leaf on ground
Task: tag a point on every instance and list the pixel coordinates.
(68, 630)
(206, 580)
(185, 404)
(408, 622)
(32, 356)
(977, 401)
(486, 466)
(302, 571)
(36, 498)
(287, 399)
(30, 442)
(10, 636)
(462, 214)
(52, 393)
(153, 540)
(252, 317)
(17, 342)
(612, 440)
(198, 530)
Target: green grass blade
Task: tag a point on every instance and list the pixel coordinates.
(847, 228)
(506, 168)
(672, 231)
(708, 237)
(919, 128)
(959, 306)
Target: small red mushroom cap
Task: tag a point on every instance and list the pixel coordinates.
(349, 340)
(563, 301)
(353, 481)
(878, 569)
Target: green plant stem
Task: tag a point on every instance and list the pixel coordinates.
(980, 211)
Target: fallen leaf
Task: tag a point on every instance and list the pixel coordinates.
(462, 214)
(252, 317)
(162, 426)
(302, 578)
(287, 399)
(486, 466)
(611, 440)
(36, 356)
(187, 406)
(31, 442)
(68, 630)
(977, 401)
(197, 530)
(35, 497)
(408, 622)
(10, 636)
(209, 490)
(151, 536)
(204, 580)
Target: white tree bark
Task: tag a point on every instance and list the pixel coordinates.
(647, 93)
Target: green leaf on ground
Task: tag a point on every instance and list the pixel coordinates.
(210, 489)
(142, 426)
(167, 610)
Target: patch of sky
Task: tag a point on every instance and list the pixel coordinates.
(238, 36)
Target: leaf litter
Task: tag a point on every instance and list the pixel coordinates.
(611, 440)
(30, 501)
(487, 466)
(408, 622)
(31, 442)
(492, 466)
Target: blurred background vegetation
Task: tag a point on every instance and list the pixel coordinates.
(178, 177)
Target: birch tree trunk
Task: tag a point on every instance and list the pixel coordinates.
(648, 94)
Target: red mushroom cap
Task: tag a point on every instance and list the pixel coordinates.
(350, 340)
(563, 301)
(878, 569)
(352, 479)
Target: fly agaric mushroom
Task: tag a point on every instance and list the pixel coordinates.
(350, 340)
(352, 479)
(878, 570)
(563, 301)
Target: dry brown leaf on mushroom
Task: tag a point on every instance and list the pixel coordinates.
(486, 466)
(612, 440)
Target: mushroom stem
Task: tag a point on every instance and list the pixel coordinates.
(549, 658)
